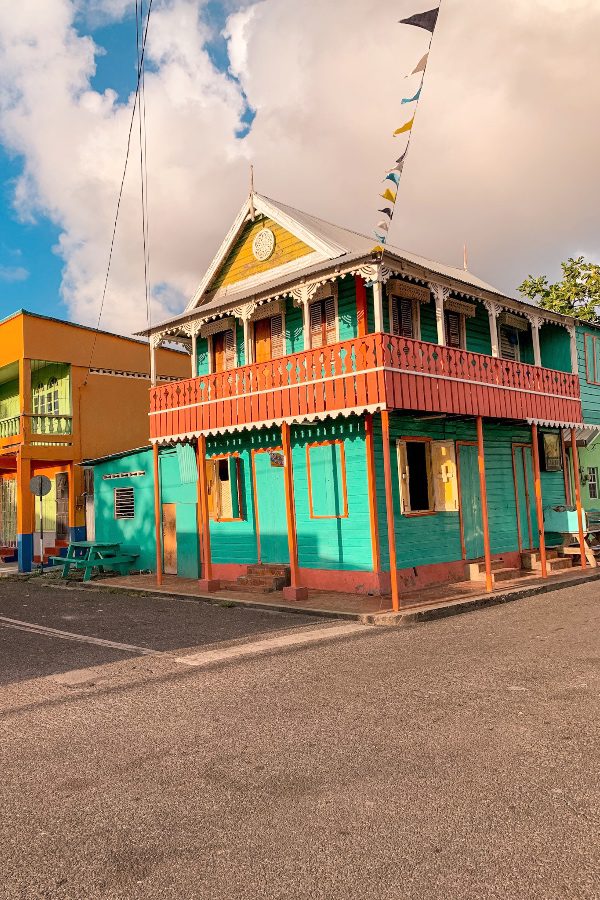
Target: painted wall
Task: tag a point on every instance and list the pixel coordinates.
(9, 399)
(139, 530)
(477, 328)
(555, 347)
(590, 392)
(424, 540)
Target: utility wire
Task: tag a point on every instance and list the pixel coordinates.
(139, 20)
(114, 231)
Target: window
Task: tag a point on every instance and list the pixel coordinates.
(427, 474)
(322, 322)
(404, 317)
(223, 350)
(224, 479)
(509, 343)
(454, 323)
(124, 503)
(327, 493)
(593, 482)
(45, 398)
(592, 359)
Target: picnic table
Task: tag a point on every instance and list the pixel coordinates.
(100, 555)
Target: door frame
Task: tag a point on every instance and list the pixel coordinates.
(253, 453)
(460, 444)
(162, 536)
(518, 445)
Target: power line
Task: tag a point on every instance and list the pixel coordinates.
(114, 231)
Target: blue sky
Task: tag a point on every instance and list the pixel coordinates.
(30, 267)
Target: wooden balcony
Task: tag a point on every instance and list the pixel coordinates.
(38, 430)
(379, 371)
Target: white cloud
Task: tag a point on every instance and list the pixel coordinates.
(13, 273)
(503, 151)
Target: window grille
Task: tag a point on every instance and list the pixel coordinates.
(593, 482)
(124, 503)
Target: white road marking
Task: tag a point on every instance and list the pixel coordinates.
(267, 645)
(33, 628)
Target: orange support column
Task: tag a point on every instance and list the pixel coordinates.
(361, 305)
(535, 452)
(575, 456)
(487, 553)
(294, 591)
(157, 515)
(25, 518)
(206, 582)
(389, 505)
(372, 489)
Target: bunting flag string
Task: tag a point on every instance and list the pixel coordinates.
(427, 21)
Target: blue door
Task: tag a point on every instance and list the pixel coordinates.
(270, 507)
(470, 502)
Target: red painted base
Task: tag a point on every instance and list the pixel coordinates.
(295, 594)
(206, 584)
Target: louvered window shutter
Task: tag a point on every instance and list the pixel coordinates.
(330, 320)
(453, 329)
(229, 349)
(234, 486)
(316, 325)
(509, 343)
(404, 477)
(277, 337)
(395, 316)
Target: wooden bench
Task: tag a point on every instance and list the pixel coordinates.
(97, 555)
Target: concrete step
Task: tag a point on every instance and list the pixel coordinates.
(474, 570)
(500, 574)
(269, 569)
(247, 584)
(554, 564)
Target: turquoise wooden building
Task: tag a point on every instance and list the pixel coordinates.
(354, 420)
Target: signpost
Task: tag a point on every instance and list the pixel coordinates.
(40, 485)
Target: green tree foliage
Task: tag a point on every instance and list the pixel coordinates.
(576, 294)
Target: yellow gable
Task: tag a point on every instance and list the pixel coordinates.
(242, 262)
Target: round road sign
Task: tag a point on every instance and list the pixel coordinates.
(40, 485)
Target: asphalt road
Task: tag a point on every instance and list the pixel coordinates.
(454, 759)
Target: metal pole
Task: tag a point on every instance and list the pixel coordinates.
(41, 528)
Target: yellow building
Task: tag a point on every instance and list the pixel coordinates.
(67, 393)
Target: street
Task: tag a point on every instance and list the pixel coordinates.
(160, 748)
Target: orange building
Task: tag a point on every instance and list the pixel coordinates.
(67, 393)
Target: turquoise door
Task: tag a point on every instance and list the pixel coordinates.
(470, 502)
(525, 498)
(270, 508)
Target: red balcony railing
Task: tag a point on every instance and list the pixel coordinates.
(378, 371)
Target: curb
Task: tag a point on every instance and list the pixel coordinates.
(409, 616)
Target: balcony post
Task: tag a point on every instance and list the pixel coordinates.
(361, 306)
(194, 353)
(157, 515)
(372, 489)
(536, 324)
(493, 310)
(294, 591)
(248, 348)
(305, 318)
(155, 342)
(378, 305)
(389, 506)
(440, 295)
(573, 341)
(206, 582)
(487, 553)
(535, 453)
(575, 458)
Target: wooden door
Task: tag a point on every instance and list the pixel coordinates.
(269, 503)
(527, 521)
(62, 506)
(218, 351)
(470, 502)
(262, 341)
(169, 536)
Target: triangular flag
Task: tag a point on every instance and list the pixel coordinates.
(421, 66)
(383, 226)
(377, 249)
(392, 176)
(413, 99)
(381, 237)
(387, 210)
(426, 20)
(387, 195)
(405, 128)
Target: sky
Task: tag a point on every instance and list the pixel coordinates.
(504, 153)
